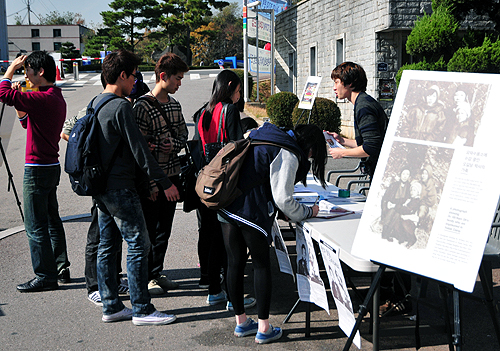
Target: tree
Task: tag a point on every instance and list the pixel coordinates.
(129, 16)
(433, 36)
(108, 37)
(180, 17)
(461, 8)
(69, 51)
(56, 18)
(220, 38)
(203, 39)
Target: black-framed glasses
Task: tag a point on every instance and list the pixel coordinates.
(135, 77)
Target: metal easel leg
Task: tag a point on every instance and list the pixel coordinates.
(363, 310)
(488, 294)
(457, 335)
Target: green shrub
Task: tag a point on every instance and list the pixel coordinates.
(325, 114)
(241, 75)
(433, 36)
(440, 65)
(481, 59)
(146, 68)
(264, 91)
(279, 108)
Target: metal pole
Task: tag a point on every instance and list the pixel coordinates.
(272, 51)
(245, 51)
(257, 48)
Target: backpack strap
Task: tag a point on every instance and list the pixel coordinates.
(154, 101)
(96, 110)
(222, 118)
(264, 179)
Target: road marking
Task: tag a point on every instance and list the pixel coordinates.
(194, 76)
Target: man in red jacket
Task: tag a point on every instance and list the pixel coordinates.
(42, 113)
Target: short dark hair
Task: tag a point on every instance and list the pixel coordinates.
(41, 59)
(117, 62)
(171, 64)
(352, 74)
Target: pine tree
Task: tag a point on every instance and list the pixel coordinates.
(129, 16)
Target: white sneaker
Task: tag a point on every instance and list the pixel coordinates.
(126, 313)
(155, 318)
(95, 297)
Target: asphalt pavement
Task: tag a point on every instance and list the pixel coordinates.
(66, 320)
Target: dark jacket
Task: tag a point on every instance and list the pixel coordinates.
(256, 207)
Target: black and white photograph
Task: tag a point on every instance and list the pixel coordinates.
(411, 192)
(443, 112)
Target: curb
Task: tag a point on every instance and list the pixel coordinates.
(15, 230)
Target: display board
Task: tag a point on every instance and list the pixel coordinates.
(310, 92)
(435, 189)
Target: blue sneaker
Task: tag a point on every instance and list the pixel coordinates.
(249, 327)
(247, 301)
(271, 335)
(217, 298)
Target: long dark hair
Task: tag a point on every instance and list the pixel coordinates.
(310, 137)
(224, 86)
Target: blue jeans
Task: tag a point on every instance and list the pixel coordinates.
(120, 215)
(43, 225)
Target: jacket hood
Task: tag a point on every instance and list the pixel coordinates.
(270, 132)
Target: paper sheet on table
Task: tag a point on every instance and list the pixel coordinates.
(329, 210)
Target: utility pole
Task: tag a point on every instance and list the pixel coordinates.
(27, 2)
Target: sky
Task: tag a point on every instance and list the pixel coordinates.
(89, 9)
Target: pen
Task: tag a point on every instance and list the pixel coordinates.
(316, 202)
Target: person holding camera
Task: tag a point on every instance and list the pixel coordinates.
(42, 114)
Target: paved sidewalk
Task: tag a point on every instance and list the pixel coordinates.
(66, 320)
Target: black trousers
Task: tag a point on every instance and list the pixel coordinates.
(159, 216)
(91, 247)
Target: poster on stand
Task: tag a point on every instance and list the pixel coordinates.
(435, 189)
(310, 92)
(281, 250)
(338, 287)
(309, 284)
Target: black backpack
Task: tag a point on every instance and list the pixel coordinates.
(83, 163)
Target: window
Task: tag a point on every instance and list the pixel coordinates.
(35, 46)
(57, 46)
(291, 71)
(312, 61)
(57, 33)
(35, 33)
(339, 52)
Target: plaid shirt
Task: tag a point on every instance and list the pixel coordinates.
(155, 130)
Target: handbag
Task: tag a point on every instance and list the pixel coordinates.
(187, 177)
(211, 149)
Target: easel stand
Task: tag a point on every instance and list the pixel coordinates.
(454, 335)
(9, 173)
(301, 114)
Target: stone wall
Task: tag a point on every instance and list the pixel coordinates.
(371, 30)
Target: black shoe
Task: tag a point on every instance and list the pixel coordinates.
(63, 277)
(36, 284)
(204, 282)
